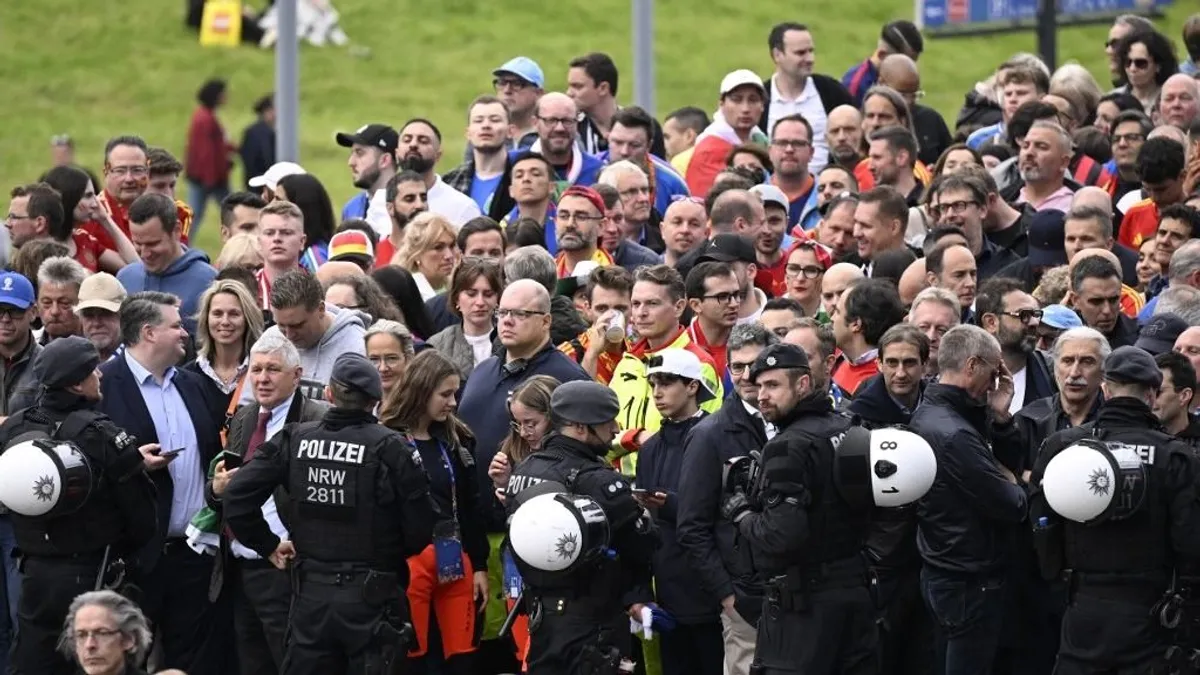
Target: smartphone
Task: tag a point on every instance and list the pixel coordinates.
(232, 461)
(640, 491)
(170, 452)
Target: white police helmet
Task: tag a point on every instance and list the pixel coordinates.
(558, 532)
(44, 477)
(886, 467)
(1091, 482)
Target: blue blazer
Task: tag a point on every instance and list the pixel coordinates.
(123, 403)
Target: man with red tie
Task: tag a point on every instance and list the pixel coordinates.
(261, 593)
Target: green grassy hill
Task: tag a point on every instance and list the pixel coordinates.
(94, 70)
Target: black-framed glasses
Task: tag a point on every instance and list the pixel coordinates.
(576, 217)
(806, 271)
(12, 313)
(737, 367)
(518, 314)
(790, 145)
(947, 208)
(514, 82)
(1134, 137)
(725, 298)
(1025, 315)
(568, 122)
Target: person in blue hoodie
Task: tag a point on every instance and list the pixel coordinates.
(695, 645)
(165, 264)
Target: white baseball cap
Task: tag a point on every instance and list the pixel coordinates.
(770, 194)
(741, 78)
(277, 172)
(681, 363)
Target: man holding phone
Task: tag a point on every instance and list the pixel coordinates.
(261, 593)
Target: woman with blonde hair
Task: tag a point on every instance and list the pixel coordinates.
(227, 324)
(240, 250)
(448, 581)
(429, 252)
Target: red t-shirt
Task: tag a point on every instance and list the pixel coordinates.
(384, 252)
(718, 353)
(1139, 223)
(88, 249)
(849, 377)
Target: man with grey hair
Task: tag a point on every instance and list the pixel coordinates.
(1178, 101)
(1184, 270)
(261, 593)
(975, 505)
(934, 311)
(1045, 154)
(59, 279)
(1104, 614)
(736, 430)
(535, 263)
(94, 620)
(523, 324)
(637, 201)
(159, 404)
(1183, 301)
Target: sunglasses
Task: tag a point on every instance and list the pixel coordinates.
(1139, 63)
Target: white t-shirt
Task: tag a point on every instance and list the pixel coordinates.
(451, 204)
(481, 345)
(1020, 380)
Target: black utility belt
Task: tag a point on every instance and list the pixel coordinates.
(344, 578)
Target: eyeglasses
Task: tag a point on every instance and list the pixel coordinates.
(1110, 43)
(389, 360)
(687, 198)
(101, 635)
(12, 313)
(14, 217)
(1134, 137)
(576, 217)
(568, 122)
(790, 145)
(517, 314)
(135, 171)
(736, 368)
(526, 427)
(1025, 315)
(807, 271)
(725, 298)
(947, 208)
(514, 82)
(1139, 63)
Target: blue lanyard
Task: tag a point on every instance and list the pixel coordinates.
(453, 482)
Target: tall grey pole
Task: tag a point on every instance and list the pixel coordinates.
(287, 83)
(643, 54)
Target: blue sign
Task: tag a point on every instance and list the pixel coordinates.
(967, 15)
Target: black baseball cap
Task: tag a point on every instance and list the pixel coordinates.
(374, 135)
(728, 248)
(1159, 334)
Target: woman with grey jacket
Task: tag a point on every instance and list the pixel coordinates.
(474, 293)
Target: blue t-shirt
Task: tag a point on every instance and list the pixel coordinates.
(482, 190)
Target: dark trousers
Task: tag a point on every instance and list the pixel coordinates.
(47, 589)
(905, 626)
(836, 633)
(262, 597)
(1107, 635)
(693, 649)
(196, 634)
(333, 629)
(968, 613)
(566, 634)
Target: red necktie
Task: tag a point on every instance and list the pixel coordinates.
(259, 436)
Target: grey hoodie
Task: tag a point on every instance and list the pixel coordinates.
(345, 334)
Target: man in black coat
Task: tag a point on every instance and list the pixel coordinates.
(725, 569)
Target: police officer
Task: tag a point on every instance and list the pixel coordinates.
(578, 621)
(805, 539)
(1115, 505)
(360, 506)
(105, 508)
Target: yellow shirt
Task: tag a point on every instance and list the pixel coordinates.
(681, 161)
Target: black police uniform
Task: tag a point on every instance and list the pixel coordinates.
(807, 541)
(64, 556)
(578, 622)
(1119, 570)
(359, 506)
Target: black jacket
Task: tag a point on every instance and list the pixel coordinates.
(977, 111)
(1125, 333)
(932, 135)
(713, 547)
(658, 470)
(968, 519)
(875, 407)
(831, 91)
(1017, 443)
(257, 151)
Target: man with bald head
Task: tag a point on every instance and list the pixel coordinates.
(1179, 101)
(338, 268)
(837, 279)
(558, 135)
(845, 137)
(523, 326)
(912, 282)
(900, 72)
(1188, 344)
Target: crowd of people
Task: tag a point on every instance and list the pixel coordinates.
(380, 385)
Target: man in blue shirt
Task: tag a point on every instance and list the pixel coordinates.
(487, 135)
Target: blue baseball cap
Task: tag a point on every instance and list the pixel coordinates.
(1060, 317)
(525, 68)
(15, 290)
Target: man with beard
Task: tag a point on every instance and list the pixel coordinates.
(99, 310)
(372, 164)
(1045, 155)
(891, 157)
(479, 176)
(771, 263)
(419, 150)
(845, 136)
(578, 217)
(406, 196)
(683, 228)
(1012, 316)
(557, 127)
(791, 150)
